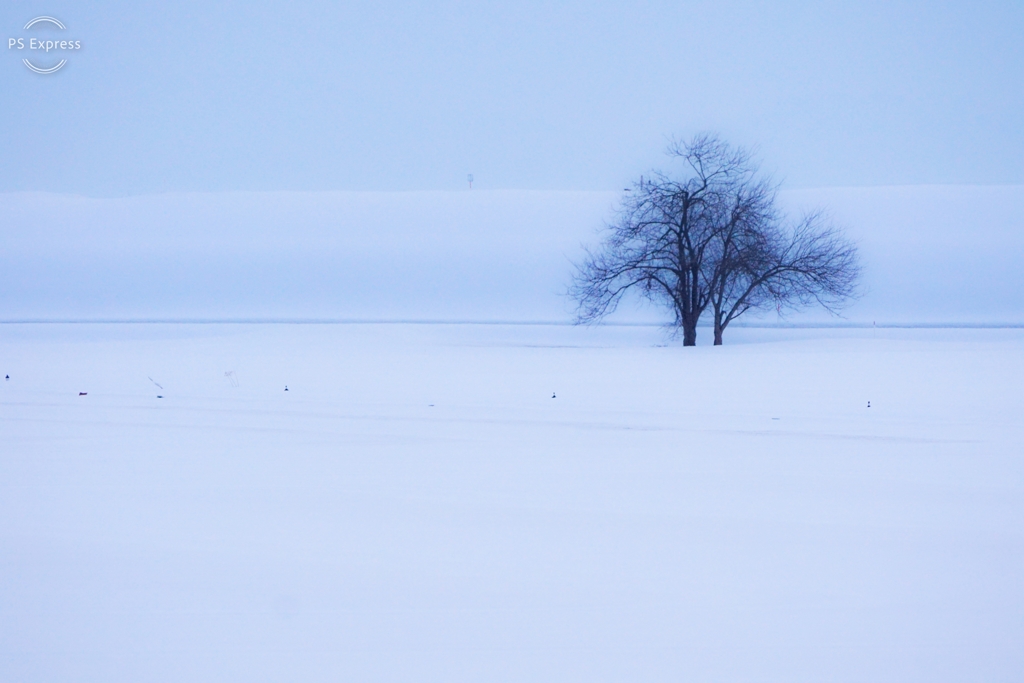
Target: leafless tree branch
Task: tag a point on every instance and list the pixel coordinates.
(714, 238)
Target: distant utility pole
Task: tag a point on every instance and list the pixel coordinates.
(470, 179)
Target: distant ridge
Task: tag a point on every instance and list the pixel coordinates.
(931, 253)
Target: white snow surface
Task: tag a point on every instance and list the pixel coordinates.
(417, 507)
(932, 254)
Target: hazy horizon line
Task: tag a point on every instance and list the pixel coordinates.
(470, 321)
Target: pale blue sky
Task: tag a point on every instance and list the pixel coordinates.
(293, 95)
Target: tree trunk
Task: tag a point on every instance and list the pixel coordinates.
(690, 330)
(689, 335)
(719, 327)
(688, 322)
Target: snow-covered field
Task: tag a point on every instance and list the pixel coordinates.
(417, 506)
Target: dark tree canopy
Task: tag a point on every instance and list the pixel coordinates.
(713, 237)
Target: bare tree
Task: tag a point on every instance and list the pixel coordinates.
(787, 268)
(741, 251)
(714, 239)
(661, 236)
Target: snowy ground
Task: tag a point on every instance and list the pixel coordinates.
(417, 507)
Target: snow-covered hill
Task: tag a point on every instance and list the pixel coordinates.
(932, 254)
